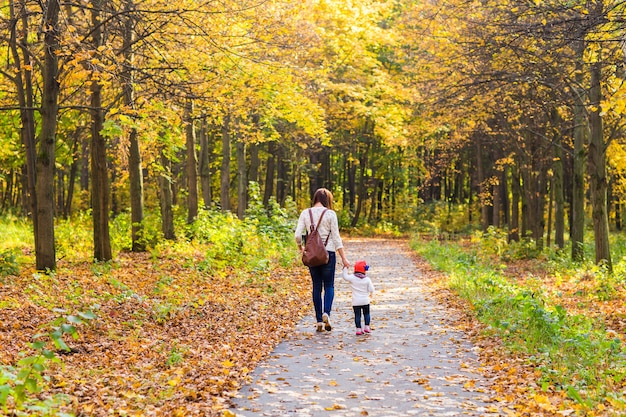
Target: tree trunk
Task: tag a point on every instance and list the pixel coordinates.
(270, 169)
(205, 163)
(100, 183)
(534, 190)
(67, 206)
(374, 199)
(559, 199)
(352, 169)
(550, 205)
(135, 172)
(497, 199)
(516, 192)
(484, 209)
(540, 208)
(60, 189)
(85, 163)
(24, 88)
(44, 187)
(618, 209)
(314, 172)
(253, 170)
(166, 198)
(362, 187)
(225, 170)
(242, 180)
(281, 175)
(24, 198)
(597, 171)
(578, 171)
(192, 164)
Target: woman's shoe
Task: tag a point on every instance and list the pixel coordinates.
(320, 327)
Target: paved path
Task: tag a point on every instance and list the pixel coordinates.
(412, 364)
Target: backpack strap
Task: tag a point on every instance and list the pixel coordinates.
(318, 223)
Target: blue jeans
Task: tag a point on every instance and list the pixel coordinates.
(323, 278)
(357, 315)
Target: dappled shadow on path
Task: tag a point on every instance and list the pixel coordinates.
(413, 363)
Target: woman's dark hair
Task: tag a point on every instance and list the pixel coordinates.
(322, 195)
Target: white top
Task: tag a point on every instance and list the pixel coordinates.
(362, 288)
(328, 226)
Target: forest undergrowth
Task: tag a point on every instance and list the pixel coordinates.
(172, 331)
(551, 331)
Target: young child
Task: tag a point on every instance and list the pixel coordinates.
(362, 288)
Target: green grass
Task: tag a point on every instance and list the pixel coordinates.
(266, 234)
(574, 352)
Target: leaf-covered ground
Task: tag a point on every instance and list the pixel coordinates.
(168, 339)
(174, 338)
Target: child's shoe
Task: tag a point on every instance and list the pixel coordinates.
(366, 329)
(359, 332)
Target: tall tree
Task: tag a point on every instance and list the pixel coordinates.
(225, 170)
(191, 162)
(135, 172)
(597, 170)
(45, 166)
(99, 173)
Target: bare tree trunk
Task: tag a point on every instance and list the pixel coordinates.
(192, 164)
(242, 180)
(374, 199)
(315, 180)
(597, 171)
(550, 205)
(535, 189)
(540, 208)
(67, 206)
(516, 192)
(269, 173)
(166, 198)
(84, 163)
(135, 172)
(578, 175)
(497, 199)
(352, 187)
(253, 170)
(484, 209)
(362, 188)
(559, 199)
(60, 189)
(281, 175)
(618, 207)
(205, 163)
(225, 170)
(100, 183)
(24, 87)
(46, 158)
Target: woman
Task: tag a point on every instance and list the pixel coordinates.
(323, 277)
